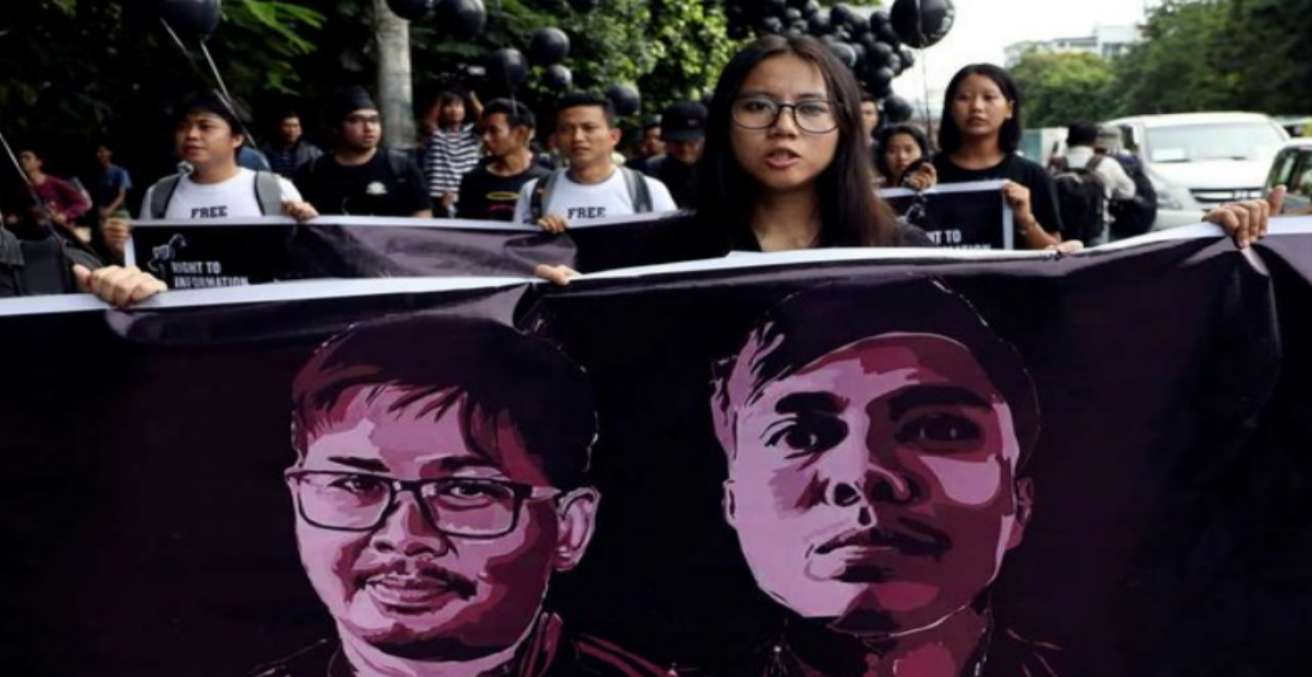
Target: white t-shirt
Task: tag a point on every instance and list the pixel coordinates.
(234, 198)
(578, 203)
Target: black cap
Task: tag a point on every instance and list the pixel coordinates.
(683, 122)
(348, 101)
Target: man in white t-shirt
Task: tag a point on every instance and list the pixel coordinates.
(208, 137)
(593, 187)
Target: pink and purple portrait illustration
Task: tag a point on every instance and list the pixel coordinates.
(876, 479)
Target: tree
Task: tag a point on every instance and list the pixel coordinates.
(1063, 88)
(1179, 68)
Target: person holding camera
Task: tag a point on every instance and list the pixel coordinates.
(452, 146)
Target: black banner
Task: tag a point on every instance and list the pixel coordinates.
(959, 216)
(822, 463)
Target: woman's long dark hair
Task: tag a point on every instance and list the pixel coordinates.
(851, 215)
(887, 133)
(949, 135)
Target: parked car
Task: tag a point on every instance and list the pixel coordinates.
(1292, 168)
(1198, 161)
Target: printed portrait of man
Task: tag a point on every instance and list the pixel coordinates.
(876, 441)
(440, 483)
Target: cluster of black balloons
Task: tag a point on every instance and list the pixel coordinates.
(460, 19)
(877, 49)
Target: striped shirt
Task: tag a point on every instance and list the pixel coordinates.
(450, 156)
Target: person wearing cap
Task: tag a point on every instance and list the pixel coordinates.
(683, 129)
(359, 178)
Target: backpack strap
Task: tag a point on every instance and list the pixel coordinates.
(1094, 162)
(161, 194)
(541, 192)
(268, 192)
(639, 191)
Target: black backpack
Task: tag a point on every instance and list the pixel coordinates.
(1081, 198)
(1137, 215)
(40, 267)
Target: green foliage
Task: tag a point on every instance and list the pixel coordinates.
(1221, 54)
(1063, 88)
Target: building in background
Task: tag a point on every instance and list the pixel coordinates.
(1109, 42)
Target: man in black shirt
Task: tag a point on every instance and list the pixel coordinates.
(359, 178)
(489, 192)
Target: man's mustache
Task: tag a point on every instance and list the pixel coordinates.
(425, 569)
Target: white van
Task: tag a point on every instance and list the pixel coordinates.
(1200, 160)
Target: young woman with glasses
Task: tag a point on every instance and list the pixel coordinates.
(786, 164)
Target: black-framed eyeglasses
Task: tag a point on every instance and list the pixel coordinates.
(762, 112)
(470, 507)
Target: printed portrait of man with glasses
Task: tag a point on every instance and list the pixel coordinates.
(876, 440)
(440, 483)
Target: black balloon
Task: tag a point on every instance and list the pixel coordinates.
(897, 109)
(625, 99)
(880, 53)
(776, 7)
(792, 14)
(922, 23)
(548, 46)
(818, 24)
(811, 8)
(841, 14)
(844, 52)
(462, 19)
(507, 67)
(880, 80)
(908, 56)
(559, 77)
(771, 25)
(886, 33)
(411, 10)
(191, 18)
(895, 64)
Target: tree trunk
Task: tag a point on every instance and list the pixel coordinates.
(395, 89)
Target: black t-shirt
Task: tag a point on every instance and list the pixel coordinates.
(488, 197)
(1043, 194)
(370, 189)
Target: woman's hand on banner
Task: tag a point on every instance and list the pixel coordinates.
(1247, 221)
(924, 178)
(557, 275)
(117, 285)
(301, 211)
(1067, 247)
(553, 224)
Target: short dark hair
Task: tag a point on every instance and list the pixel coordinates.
(886, 134)
(1081, 133)
(488, 371)
(449, 97)
(867, 97)
(811, 324)
(232, 111)
(949, 135)
(517, 114)
(588, 100)
(289, 114)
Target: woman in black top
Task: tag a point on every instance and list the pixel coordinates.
(786, 164)
(786, 161)
(978, 136)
